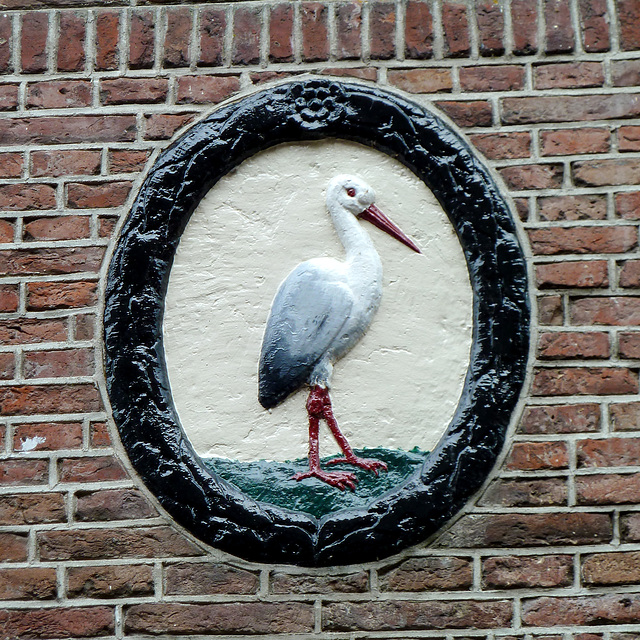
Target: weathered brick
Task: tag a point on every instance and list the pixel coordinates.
(418, 30)
(90, 469)
(595, 25)
(28, 583)
(23, 472)
(95, 544)
(421, 80)
(550, 310)
(625, 416)
(628, 205)
(606, 172)
(84, 326)
(614, 311)
(231, 618)
(30, 331)
(518, 572)
(112, 504)
(382, 30)
(7, 366)
(127, 160)
(558, 28)
(503, 146)
(584, 381)
(477, 113)
(281, 31)
(113, 581)
(492, 78)
(363, 73)
(32, 508)
(59, 363)
(568, 345)
(629, 138)
(611, 452)
(7, 231)
(630, 527)
(177, 36)
(65, 163)
(533, 176)
(604, 489)
(142, 39)
(107, 27)
(629, 23)
(99, 435)
(315, 35)
(524, 19)
(13, 547)
(9, 297)
(22, 197)
(206, 89)
(456, 29)
(608, 569)
(191, 578)
(428, 574)
(573, 141)
(58, 622)
(585, 610)
(35, 28)
(71, 36)
(247, 23)
(97, 195)
(532, 456)
(528, 530)
(57, 228)
(11, 165)
(6, 42)
(55, 398)
(553, 241)
(133, 90)
(526, 493)
(61, 295)
(490, 22)
(625, 73)
(630, 274)
(47, 436)
(213, 23)
(554, 275)
(106, 229)
(162, 126)
(51, 261)
(261, 77)
(568, 75)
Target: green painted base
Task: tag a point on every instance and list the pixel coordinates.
(271, 481)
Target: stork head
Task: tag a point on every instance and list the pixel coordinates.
(356, 196)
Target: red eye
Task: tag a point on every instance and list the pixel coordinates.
(351, 192)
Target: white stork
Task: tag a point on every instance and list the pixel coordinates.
(321, 310)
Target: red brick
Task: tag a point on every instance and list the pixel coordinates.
(628, 205)
(533, 456)
(524, 19)
(65, 163)
(61, 295)
(99, 435)
(526, 493)
(583, 274)
(553, 241)
(21, 197)
(213, 23)
(630, 274)
(630, 527)
(503, 146)
(567, 345)
(247, 24)
(606, 569)
(11, 164)
(106, 227)
(47, 436)
(6, 42)
(550, 310)
(315, 35)
(568, 75)
(629, 138)
(558, 28)
(533, 176)
(162, 126)
(477, 113)
(7, 231)
(71, 37)
(606, 172)
(13, 547)
(8, 97)
(612, 452)
(30, 331)
(528, 530)
(95, 544)
(84, 327)
(112, 504)
(428, 574)
(58, 622)
(625, 73)
(23, 472)
(569, 108)
(51, 261)
(382, 30)
(595, 25)
(191, 578)
(231, 618)
(58, 228)
(206, 89)
(363, 73)
(59, 363)
(113, 581)
(32, 508)
(260, 77)
(55, 398)
(97, 195)
(629, 22)
(573, 141)
(67, 129)
(8, 297)
(7, 366)
(281, 30)
(625, 416)
(518, 572)
(421, 80)
(492, 78)
(608, 489)
(27, 583)
(104, 468)
(456, 29)
(133, 90)
(582, 611)
(583, 381)
(107, 30)
(615, 311)
(490, 28)
(127, 160)
(35, 28)
(418, 30)
(177, 36)
(142, 40)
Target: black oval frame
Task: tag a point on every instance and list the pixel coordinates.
(137, 382)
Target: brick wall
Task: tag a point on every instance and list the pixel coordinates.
(546, 91)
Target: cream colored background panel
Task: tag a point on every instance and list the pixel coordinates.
(398, 388)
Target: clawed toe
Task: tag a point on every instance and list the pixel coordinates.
(369, 464)
(339, 479)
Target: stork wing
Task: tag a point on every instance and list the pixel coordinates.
(307, 315)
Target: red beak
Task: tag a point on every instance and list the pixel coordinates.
(378, 219)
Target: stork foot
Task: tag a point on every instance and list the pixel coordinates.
(339, 479)
(370, 464)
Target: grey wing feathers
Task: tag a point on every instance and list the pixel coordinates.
(307, 314)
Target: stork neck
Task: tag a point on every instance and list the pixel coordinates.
(355, 240)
